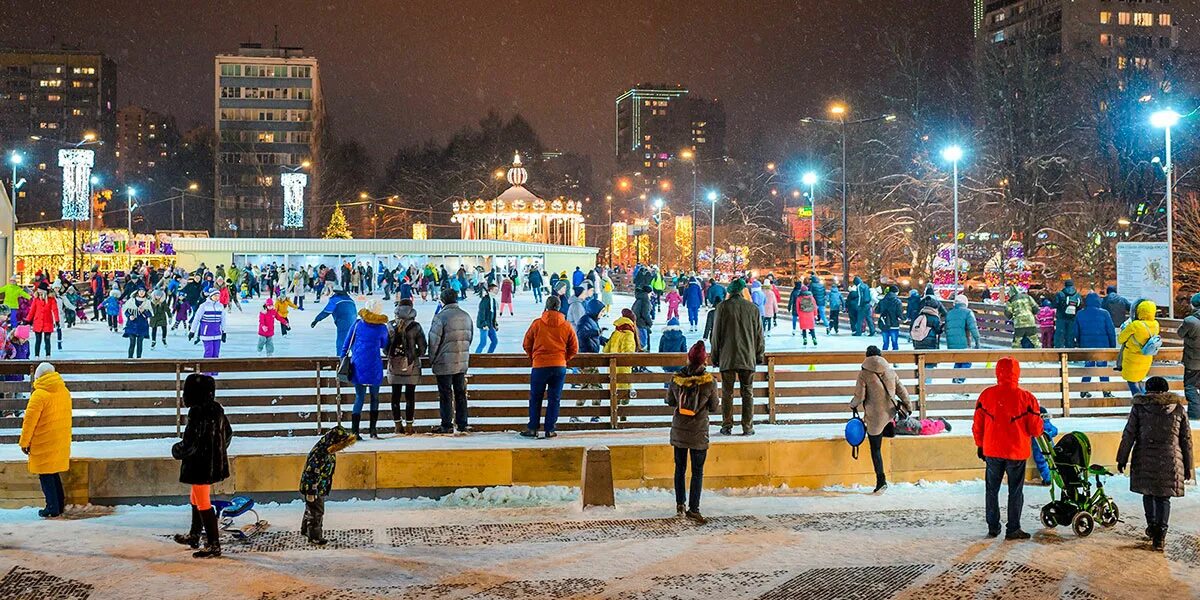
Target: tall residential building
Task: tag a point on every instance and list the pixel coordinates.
(269, 118)
(655, 122)
(1118, 34)
(977, 13)
(144, 139)
(57, 96)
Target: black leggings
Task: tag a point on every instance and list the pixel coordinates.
(154, 329)
(1158, 510)
(135, 344)
(876, 442)
(112, 322)
(38, 337)
(410, 402)
(697, 484)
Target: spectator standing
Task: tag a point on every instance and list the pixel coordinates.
(1007, 418)
(693, 395)
(1158, 437)
(1094, 329)
(204, 460)
(450, 337)
(316, 481)
(738, 346)
(1118, 306)
(1067, 303)
(1135, 342)
(368, 337)
(1189, 333)
(406, 345)
(550, 343)
(46, 436)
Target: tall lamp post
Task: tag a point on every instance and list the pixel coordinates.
(712, 235)
(130, 206)
(953, 154)
(15, 159)
(1165, 120)
(658, 206)
(608, 199)
(810, 179)
(839, 112)
(689, 155)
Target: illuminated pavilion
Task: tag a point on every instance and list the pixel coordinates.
(517, 215)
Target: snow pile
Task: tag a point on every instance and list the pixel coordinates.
(516, 496)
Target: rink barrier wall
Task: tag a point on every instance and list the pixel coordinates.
(140, 399)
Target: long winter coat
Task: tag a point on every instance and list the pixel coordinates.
(1094, 325)
(878, 383)
(43, 314)
(203, 449)
(158, 313)
(1189, 332)
(695, 391)
(1160, 438)
(406, 345)
(137, 317)
(368, 337)
(450, 337)
(806, 319)
(46, 426)
(1135, 365)
(737, 338)
(962, 330)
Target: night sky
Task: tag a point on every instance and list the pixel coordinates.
(402, 71)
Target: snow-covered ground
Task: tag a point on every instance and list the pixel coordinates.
(93, 340)
(915, 541)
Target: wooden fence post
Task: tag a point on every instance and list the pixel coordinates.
(614, 418)
(922, 393)
(771, 390)
(178, 401)
(319, 429)
(1066, 384)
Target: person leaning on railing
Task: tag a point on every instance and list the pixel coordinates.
(738, 346)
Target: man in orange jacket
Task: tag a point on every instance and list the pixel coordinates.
(1007, 417)
(550, 342)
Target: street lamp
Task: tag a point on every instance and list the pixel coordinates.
(130, 206)
(1165, 120)
(712, 234)
(658, 206)
(953, 154)
(690, 155)
(15, 159)
(608, 199)
(810, 179)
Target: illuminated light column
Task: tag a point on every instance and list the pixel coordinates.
(76, 164)
(420, 231)
(293, 198)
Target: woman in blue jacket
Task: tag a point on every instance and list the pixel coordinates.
(368, 337)
(1094, 328)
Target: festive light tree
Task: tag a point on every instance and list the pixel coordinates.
(338, 228)
(1008, 267)
(683, 239)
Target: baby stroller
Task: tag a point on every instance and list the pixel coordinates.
(230, 510)
(1072, 501)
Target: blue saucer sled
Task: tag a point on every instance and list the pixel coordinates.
(232, 510)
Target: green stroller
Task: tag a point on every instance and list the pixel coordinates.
(1072, 501)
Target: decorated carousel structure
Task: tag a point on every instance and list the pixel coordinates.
(517, 215)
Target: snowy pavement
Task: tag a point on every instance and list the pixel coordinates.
(915, 541)
(93, 340)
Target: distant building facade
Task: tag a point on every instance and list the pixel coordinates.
(145, 139)
(268, 120)
(655, 122)
(57, 96)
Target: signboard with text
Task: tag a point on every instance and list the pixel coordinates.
(1143, 271)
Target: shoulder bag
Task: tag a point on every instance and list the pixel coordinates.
(345, 369)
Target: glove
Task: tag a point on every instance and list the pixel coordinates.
(979, 453)
(310, 497)
(222, 337)
(190, 336)
(313, 324)
(1121, 469)
(25, 449)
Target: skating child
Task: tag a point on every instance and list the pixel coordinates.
(674, 299)
(181, 313)
(266, 327)
(317, 479)
(282, 305)
(806, 315)
(158, 317)
(112, 309)
(506, 296)
(672, 340)
(624, 340)
(1045, 321)
(20, 344)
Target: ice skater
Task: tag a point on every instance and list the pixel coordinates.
(208, 324)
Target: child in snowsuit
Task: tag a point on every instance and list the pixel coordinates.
(674, 299)
(282, 305)
(317, 479)
(18, 340)
(672, 340)
(1038, 459)
(266, 327)
(181, 314)
(112, 308)
(1045, 321)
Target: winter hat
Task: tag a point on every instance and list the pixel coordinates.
(1196, 300)
(1154, 385)
(627, 313)
(268, 303)
(1045, 302)
(673, 322)
(22, 332)
(736, 286)
(42, 369)
(43, 286)
(199, 388)
(577, 290)
(803, 288)
(697, 355)
(960, 300)
(215, 292)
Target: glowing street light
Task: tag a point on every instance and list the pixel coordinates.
(1165, 120)
(712, 232)
(658, 206)
(810, 179)
(954, 154)
(838, 109)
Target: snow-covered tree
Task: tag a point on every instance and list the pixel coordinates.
(337, 228)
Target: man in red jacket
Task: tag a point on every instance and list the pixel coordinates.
(1007, 418)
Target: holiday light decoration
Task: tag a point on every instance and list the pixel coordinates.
(518, 215)
(943, 271)
(683, 238)
(620, 242)
(293, 198)
(76, 164)
(420, 231)
(1008, 267)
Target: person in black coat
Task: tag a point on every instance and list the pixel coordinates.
(204, 458)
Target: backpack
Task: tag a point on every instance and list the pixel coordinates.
(852, 296)
(1152, 345)
(1072, 305)
(807, 304)
(920, 328)
(856, 433)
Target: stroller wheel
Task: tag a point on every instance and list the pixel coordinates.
(1083, 523)
(1049, 519)
(1107, 513)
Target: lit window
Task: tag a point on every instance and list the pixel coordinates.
(1122, 62)
(998, 36)
(50, 83)
(1164, 19)
(1141, 62)
(53, 98)
(998, 17)
(1124, 18)
(1143, 19)
(1105, 39)
(1105, 17)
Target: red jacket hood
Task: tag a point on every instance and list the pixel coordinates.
(552, 318)
(1008, 372)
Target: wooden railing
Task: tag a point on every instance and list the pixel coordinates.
(301, 396)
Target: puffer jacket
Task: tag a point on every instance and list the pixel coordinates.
(1007, 417)
(817, 287)
(43, 314)
(203, 451)
(587, 330)
(1189, 332)
(406, 346)
(962, 330)
(694, 391)
(877, 385)
(450, 337)
(889, 310)
(368, 337)
(1118, 306)
(550, 341)
(1094, 325)
(317, 477)
(1135, 365)
(929, 308)
(641, 310)
(1160, 439)
(1022, 310)
(46, 426)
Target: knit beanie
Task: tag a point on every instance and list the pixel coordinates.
(1196, 300)
(697, 356)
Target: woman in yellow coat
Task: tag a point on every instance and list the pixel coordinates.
(46, 435)
(624, 340)
(1139, 330)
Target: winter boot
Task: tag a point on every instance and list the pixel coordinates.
(355, 419)
(212, 534)
(374, 419)
(695, 516)
(680, 510)
(408, 428)
(1158, 538)
(192, 538)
